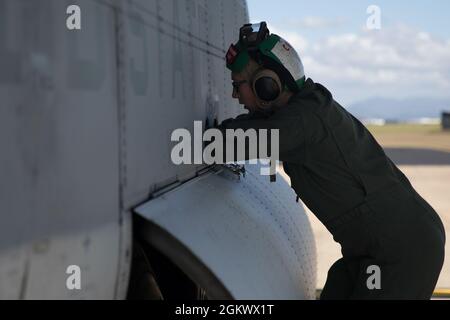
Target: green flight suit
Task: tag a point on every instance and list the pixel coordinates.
(343, 175)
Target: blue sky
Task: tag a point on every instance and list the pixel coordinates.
(408, 56)
(430, 16)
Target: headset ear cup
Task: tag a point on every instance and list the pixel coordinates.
(266, 86)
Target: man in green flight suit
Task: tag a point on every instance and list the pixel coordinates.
(340, 172)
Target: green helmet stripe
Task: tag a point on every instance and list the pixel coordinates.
(241, 60)
(277, 49)
(267, 45)
(301, 82)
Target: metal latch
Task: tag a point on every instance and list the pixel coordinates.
(236, 169)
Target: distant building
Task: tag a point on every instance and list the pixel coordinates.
(426, 121)
(392, 121)
(446, 120)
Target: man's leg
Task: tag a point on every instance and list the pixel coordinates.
(339, 284)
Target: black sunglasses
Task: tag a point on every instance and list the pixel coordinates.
(237, 84)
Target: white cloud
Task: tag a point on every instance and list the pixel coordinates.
(398, 60)
(399, 52)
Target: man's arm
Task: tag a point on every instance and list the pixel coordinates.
(290, 133)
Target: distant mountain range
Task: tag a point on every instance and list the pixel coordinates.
(399, 109)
